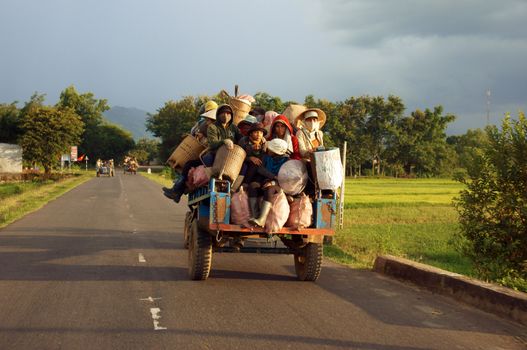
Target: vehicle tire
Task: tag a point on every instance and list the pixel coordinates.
(187, 228)
(308, 262)
(199, 253)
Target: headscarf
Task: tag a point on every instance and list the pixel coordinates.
(288, 132)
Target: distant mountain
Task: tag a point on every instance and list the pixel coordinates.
(130, 118)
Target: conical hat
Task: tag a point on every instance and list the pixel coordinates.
(321, 116)
(293, 111)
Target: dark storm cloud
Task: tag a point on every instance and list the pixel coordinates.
(372, 22)
(437, 52)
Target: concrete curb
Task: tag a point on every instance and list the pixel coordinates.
(485, 296)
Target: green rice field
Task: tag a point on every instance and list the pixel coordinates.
(411, 218)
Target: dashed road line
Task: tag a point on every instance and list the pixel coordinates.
(155, 317)
(142, 258)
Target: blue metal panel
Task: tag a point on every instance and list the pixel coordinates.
(325, 210)
(220, 211)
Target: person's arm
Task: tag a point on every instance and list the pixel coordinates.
(262, 170)
(214, 138)
(302, 146)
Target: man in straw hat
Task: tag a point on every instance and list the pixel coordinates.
(309, 135)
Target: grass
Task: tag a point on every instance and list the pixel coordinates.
(21, 198)
(159, 177)
(411, 218)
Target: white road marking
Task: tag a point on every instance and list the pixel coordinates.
(142, 258)
(150, 299)
(155, 317)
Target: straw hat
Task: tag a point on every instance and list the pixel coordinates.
(293, 111)
(320, 113)
(277, 146)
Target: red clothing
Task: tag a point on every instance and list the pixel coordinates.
(294, 141)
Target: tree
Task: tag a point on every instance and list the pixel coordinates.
(111, 142)
(268, 102)
(10, 129)
(467, 145)
(418, 142)
(146, 150)
(173, 121)
(90, 110)
(493, 208)
(49, 132)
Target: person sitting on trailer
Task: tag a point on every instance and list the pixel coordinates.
(310, 136)
(254, 147)
(207, 116)
(200, 131)
(222, 132)
(245, 124)
(277, 155)
(282, 129)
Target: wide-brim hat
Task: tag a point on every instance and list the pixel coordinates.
(249, 119)
(210, 114)
(277, 146)
(321, 116)
(257, 127)
(293, 111)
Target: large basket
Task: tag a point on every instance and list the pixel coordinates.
(240, 109)
(189, 149)
(228, 163)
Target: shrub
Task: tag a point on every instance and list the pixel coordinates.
(493, 208)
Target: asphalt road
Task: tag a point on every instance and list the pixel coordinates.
(103, 267)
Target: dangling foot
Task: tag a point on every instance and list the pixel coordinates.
(174, 195)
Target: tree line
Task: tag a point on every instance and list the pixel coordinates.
(382, 140)
(45, 132)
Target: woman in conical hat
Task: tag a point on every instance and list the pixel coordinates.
(309, 135)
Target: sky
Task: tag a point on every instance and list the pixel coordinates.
(143, 53)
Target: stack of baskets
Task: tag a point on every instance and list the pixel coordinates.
(189, 149)
(228, 163)
(240, 109)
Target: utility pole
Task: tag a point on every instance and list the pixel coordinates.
(488, 106)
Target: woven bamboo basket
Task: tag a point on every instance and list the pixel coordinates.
(189, 149)
(228, 163)
(240, 109)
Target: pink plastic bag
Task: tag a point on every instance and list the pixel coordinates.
(240, 211)
(301, 212)
(278, 214)
(199, 176)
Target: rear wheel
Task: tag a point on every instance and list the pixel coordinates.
(308, 262)
(199, 253)
(187, 228)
